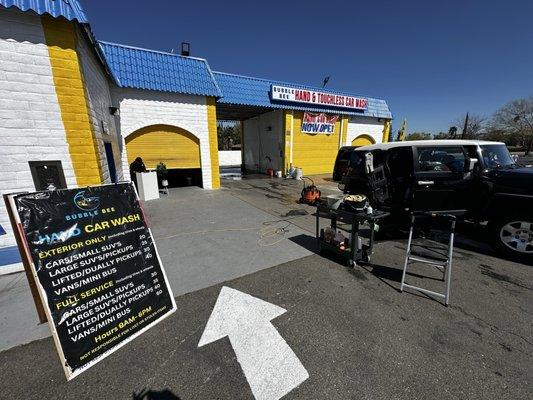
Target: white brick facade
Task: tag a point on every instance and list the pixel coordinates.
(142, 108)
(97, 84)
(229, 158)
(31, 128)
(358, 126)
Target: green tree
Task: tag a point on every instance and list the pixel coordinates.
(418, 136)
(442, 135)
(497, 135)
(229, 135)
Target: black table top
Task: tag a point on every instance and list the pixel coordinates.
(359, 216)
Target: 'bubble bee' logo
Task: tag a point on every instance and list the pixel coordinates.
(86, 203)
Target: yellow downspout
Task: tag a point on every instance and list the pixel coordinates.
(344, 132)
(243, 165)
(287, 139)
(213, 142)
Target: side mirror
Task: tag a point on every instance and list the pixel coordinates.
(472, 164)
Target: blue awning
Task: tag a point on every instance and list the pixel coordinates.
(250, 91)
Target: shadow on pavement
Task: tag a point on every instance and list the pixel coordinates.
(387, 275)
(147, 394)
(308, 242)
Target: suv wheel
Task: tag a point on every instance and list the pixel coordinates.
(514, 236)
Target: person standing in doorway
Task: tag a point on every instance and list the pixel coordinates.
(136, 166)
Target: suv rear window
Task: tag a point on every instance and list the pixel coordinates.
(345, 155)
(441, 159)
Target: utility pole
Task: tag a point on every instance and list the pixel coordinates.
(465, 128)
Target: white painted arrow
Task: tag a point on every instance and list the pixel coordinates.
(269, 364)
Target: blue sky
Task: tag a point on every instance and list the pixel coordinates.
(431, 60)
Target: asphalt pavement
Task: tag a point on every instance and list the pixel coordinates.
(351, 329)
(356, 335)
(203, 237)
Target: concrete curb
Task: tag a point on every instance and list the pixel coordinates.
(11, 269)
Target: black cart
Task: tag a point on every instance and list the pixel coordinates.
(350, 222)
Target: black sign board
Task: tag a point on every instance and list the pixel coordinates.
(98, 271)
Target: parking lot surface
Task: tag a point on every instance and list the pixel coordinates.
(352, 330)
(203, 238)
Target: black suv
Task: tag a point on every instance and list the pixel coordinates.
(342, 162)
(477, 180)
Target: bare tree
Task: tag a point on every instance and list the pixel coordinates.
(475, 127)
(516, 118)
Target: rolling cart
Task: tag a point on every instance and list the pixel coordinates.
(350, 222)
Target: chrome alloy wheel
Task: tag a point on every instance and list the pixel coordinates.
(518, 236)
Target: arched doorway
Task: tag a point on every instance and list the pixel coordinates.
(177, 148)
(363, 140)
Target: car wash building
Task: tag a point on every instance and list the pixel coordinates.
(167, 106)
(75, 111)
(286, 124)
(56, 129)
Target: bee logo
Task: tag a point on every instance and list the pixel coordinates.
(86, 203)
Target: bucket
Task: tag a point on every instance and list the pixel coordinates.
(278, 174)
(334, 200)
(298, 173)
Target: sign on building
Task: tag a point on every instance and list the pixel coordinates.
(319, 123)
(98, 273)
(304, 96)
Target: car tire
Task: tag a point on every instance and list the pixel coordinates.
(513, 237)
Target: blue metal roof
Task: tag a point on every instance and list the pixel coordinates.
(250, 91)
(69, 9)
(154, 70)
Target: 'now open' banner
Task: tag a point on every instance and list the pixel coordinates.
(319, 123)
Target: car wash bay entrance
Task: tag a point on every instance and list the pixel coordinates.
(261, 135)
(276, 139)
(177, 148)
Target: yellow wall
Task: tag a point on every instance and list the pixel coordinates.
(213, 141)
(175, 147)
(69, 85)
(363, 140)
(315, 154)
